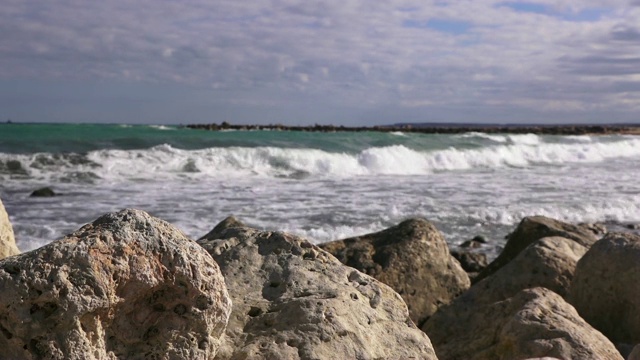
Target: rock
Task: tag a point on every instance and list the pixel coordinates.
(635, 353)
(534, 323)
(549, 263)
(471, 262)
(412, 258)
(7, 241)
(479, 238)
(605, 289)
(598, 229)
(533, 228)
(125, 286)
(292, 300)
(229, 222)
(43, 192)
(471, 244)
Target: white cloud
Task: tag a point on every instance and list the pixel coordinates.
(347, 53)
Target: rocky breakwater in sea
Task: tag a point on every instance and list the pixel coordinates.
(125, 286)
(426, 128)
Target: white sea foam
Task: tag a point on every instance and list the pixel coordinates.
(164, 161)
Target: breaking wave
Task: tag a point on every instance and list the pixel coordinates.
(165, 161)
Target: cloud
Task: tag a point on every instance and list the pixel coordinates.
(529, 57)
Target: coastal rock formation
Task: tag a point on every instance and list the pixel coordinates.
(125, 286)
(292, 300)
(412, 258)
(534, 323)
(606, 290)
(549, 262)
(216, 232)
(7, 241)
(533, 228)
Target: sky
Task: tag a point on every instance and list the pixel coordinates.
(349, 62)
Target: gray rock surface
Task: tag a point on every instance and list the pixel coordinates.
(533, 228)
(7, 241)
(606, 290)
(126, 286)
(534, 323)
(411, 257)
(292, 300)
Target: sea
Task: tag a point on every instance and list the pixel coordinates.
(322, 186)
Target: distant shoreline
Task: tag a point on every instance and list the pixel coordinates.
(442, 128)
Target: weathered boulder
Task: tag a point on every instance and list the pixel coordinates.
(532, 228)
(413, 258)
(292, 300)
(216, 232)
(534, 323)
(549, 262)
(606, 290)
(125, 286)
(7, 241)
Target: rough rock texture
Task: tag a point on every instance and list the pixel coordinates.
(7, 241)
(126, 286)
(534, 323)
(293, 300)
(412, 258)
(606, 290)
(471, 262)
(531, 229)
(227, 223)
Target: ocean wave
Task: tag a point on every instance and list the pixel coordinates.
(165, 161)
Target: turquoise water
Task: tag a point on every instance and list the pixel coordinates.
(323, 186)
(81, 138)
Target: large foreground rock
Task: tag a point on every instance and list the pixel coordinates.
(412, 258)
(126, 286)
(533, 228)
(7, 241)
(606, 287)
(534, 323)
(293, 300)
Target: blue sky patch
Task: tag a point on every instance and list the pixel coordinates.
(526, 7)
(442, 25)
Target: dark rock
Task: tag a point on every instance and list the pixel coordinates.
(471, 262)
(479, 238)
(471, 244)
(43, 192)
(533, 228)
(412, 258)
